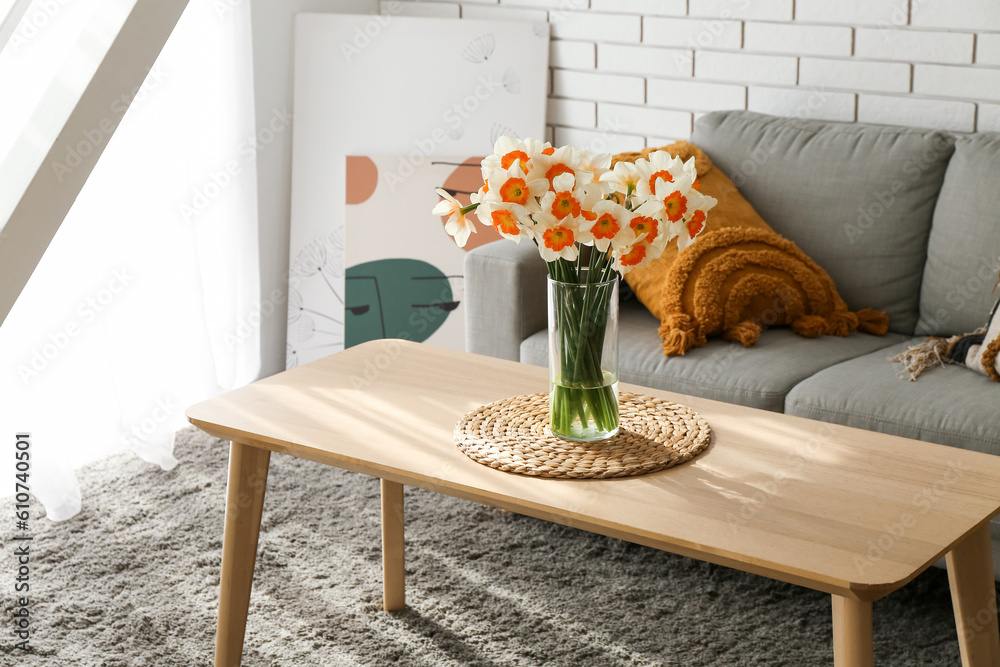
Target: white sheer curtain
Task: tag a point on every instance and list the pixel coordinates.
(146, 301)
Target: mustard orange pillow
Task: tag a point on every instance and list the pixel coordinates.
(738, 277)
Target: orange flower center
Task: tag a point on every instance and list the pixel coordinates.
(664, 174)
(565, 204)
(557, 169)
(589, 215)
(645, 225)
(634, 256)
(505, 222)
(548, 151)
(558, 238)
(606, 227)
(677, 206)
(696, 224)
(696, 185)
(513, 156)
(514, 191)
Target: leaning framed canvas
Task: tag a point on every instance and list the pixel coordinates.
(473, 82)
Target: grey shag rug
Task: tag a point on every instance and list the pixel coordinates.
(132, 580)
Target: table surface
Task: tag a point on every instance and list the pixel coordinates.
(841, 510)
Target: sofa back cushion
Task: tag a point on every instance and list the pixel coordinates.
(964, 245)
(856, 198)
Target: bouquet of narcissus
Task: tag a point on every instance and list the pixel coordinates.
(589, 222)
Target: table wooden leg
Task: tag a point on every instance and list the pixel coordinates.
(852, 633)
(970, 573)
(244, 503)
(393, 566)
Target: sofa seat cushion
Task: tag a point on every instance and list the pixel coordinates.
(856, 198)
(949, 405)
(758, 377)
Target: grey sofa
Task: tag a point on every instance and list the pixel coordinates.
(904, 220)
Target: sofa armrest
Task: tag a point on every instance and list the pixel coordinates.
(504, 298)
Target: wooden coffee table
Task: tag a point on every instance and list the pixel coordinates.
(848, 512)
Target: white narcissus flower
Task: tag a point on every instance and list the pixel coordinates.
(675, 206)
(634, 253)
(631, 257)
(689, 230)
(510, 220)
(596, 166)
(457, 225)
(692, 224)
(682, 199)
(507, 144)
(511, 186)
(648, 220)
(592, 195)
(477, 197)
(663, 174)
(623, 177)
(595, 163)
(557, 239)
(607, 226)
(509, 150)
(650, 235)
(566, 198)
(701, 202)
(563, 160)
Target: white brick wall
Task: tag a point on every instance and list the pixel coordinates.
(962, 82)
(797, 39)
(576, 113)
(603, 87)
(746, 68)
(634, 73)
(697, 95)
(644, 60)
(913, 45)
(645, 7)
(956, 14)
(802, 103)
(553, 4)
(596, 26)
(565, 54)
(598, 141)
(766, 10)
(692, 33)
(854, 75)
(988, 49)
(644, 120)
(988, 118)
(853, 12)
(957, 116)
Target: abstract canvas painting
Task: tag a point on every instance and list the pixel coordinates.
(472, 82)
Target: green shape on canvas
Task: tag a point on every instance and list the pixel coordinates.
(395, 298)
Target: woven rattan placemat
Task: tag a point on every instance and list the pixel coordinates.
(513, 435)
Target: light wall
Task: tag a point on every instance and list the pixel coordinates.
(635, 73)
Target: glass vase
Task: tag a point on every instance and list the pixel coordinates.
(583, 358)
